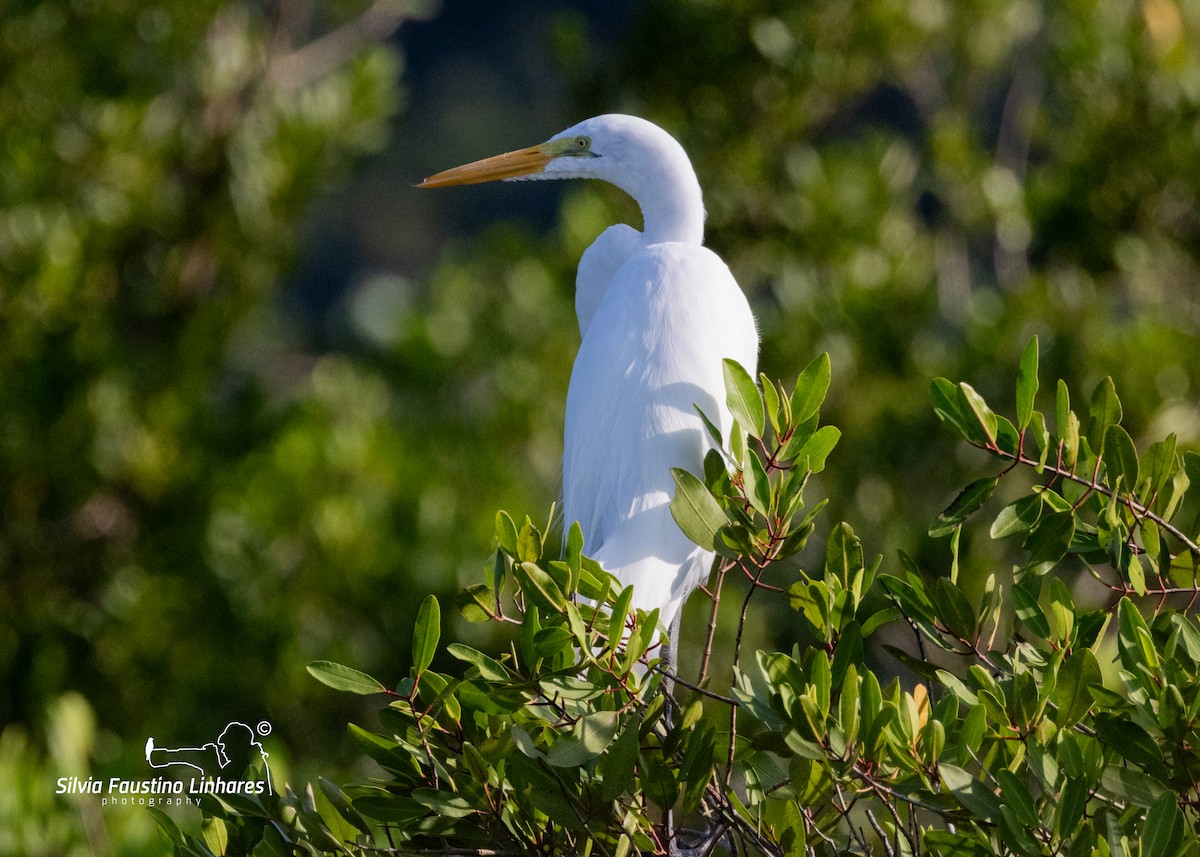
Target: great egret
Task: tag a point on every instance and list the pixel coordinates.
(657, 314)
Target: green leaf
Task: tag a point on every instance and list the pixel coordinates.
(167, 825)
(596, 731)
(619, 763)
(1127, 784)
(710, 427)
(811, 387)
(616, 620)
(1105, 412)
(1060, 610)
(641, 638)
(1062, 407)
(757, 484)
(770, 401)
(549, 642)
(850, 650)
(338, 800)
(697, 766)
(1162, 832)
(1129, 740)
(978, 418)
(1134, 643)
(944, 395)
(575, 546)
(1027, 383)
(1121, 458)
(540, 587)
(658, 780)
(488, 667)
(1016, 796)
(1018, 517)
(1072, 801)
(477, 603)
(506, 533)
(815, 449)
(1049, 541)
(695, 509)
(385, 807)
(843, 554)
(743, 398)
(1027, 608)
(967, 501)
(529, 543)
(344, 678)
(954, 609)
(1016, 835)
(1158, 464)
(383, 750)
(973, 729)
(443, 803)
(1071, 694)
(426, 633)
(792, 842)
(974, 796)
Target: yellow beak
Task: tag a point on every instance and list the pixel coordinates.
(522, 162)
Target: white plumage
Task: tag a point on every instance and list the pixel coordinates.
(658, 312)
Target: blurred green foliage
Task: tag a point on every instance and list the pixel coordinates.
(156, 161)
(35, 820)
(914, 186)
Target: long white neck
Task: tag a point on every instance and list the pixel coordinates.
(672, 205)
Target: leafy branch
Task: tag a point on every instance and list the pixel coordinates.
(1068, 737)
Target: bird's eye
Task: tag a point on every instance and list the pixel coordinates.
(582, 144)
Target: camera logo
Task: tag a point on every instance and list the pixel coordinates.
(227, 758)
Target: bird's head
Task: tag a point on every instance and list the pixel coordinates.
(604, 147)
(635, 155)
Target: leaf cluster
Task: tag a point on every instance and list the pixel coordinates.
(1039, 725)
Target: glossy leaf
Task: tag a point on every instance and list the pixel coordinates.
(1071, 695)
(815, 449)
(1127, 784)
(1105, 412)
(1049, 540)
(1018, 517)
(540, 587)
(344, 678)
(811, 387)
(978, 418)
(426, 633)
(1027, 383)
(967, 502)
(619, 763)
(1162, 832)
(743, 398)
(1120, 457)
(695, 510)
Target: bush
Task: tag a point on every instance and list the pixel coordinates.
(1036, 726)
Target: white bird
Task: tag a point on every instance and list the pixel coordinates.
(658, 312)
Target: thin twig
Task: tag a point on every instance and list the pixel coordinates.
(887, 846)
(722, 568)
(728, 700)
(1093, 484)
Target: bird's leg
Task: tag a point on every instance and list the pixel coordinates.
(671, 656)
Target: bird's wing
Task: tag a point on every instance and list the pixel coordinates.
(598, 266)
(652, 353)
